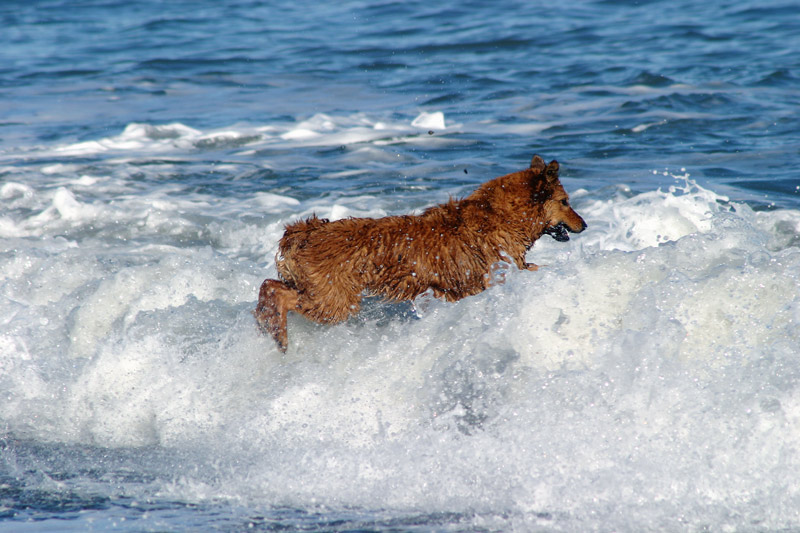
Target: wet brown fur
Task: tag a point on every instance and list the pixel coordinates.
(326, 267)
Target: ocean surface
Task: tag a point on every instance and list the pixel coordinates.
(151, 152)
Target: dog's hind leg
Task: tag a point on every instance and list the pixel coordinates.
(275, 300)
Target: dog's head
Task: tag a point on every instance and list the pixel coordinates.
(559, 217)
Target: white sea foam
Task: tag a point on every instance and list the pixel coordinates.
(650, 367)
(135, 137)
(11, 190)
(318, 130)
(642, 127)
(434, 121)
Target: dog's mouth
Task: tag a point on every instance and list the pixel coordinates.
(559, 232)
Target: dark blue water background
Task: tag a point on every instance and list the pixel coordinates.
(718, 80)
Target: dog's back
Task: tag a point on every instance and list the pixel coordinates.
(397, 257)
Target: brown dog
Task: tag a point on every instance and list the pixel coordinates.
(326, 267)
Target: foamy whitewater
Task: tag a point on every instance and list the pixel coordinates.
(646, 378)
(647, 375)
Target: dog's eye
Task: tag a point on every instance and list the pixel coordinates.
(565, 203)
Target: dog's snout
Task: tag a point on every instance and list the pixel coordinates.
(578, 224)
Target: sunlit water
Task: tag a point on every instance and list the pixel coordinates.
(647, 378)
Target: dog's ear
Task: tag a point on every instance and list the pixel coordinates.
(551, 172)
(537, 164)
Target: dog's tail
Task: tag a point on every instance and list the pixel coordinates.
(299, 230)
(295, 237)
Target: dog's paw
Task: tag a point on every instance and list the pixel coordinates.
(269, 323)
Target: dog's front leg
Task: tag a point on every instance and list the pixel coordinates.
(531, 266)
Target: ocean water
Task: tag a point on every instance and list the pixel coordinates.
(151, 152)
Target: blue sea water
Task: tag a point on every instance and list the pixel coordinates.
(151, 153)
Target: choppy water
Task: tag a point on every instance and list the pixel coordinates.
(150, 154)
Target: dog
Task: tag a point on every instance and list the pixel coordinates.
(326, 267)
